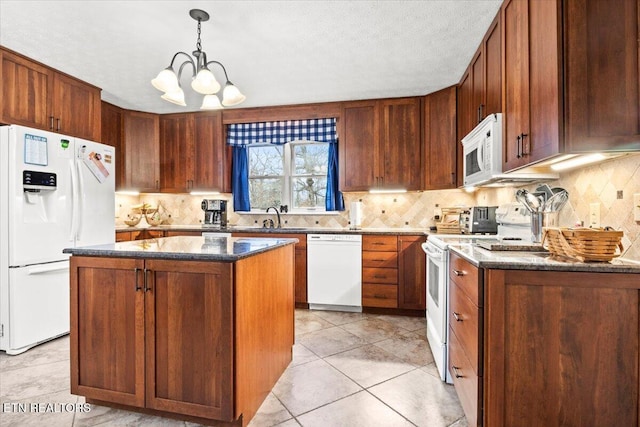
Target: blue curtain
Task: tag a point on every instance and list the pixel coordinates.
(333, 200)
(240, 179)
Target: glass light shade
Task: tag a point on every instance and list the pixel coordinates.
(231, 95)
(205, 82)
(175, 97)
(211, 102)
(166, 81)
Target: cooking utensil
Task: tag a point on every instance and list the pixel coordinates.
(557, 201)
(521, 196)
(544, 188)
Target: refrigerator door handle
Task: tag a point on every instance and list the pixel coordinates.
(47, 269)
(80, 197)
(74, 201)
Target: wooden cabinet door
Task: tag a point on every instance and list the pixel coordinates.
(76, 107)
(477, 75)
(211, 162)
(141, 151)
(401, 144)
(464, 121)
(176, 152)
(602, 93)
(563, 345)
(440, 142)
(107, 329)
(359, 146)
(412, 266)
(493, 69)
(25, 92)
(516, 82)
(189, 332)
(113, 134)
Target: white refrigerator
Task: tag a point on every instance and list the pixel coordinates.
(56, 192)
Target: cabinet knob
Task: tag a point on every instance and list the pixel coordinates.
(457, 317)
(459, 273)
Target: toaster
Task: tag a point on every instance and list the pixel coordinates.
(479, 220)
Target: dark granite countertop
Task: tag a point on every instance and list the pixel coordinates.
(283, 230)
(541, 261)
(186, 248)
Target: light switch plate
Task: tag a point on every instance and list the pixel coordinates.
(594, 215)
(636, 207)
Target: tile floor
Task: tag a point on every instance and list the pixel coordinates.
(348, 369)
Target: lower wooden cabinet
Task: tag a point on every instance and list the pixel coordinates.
(152, 335)
(125, 236)
(548, 348)
(393, 272)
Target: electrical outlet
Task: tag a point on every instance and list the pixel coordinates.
(594, 215)
(636, 207)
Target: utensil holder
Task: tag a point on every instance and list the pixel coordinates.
(540, 220)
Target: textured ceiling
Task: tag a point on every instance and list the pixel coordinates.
(276, 52)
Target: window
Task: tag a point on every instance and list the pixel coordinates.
(293, 174)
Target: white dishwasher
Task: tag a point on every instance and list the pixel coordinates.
(334, 272)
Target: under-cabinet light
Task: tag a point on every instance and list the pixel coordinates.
(204, 193)
(578, 161)
(128, 193)
(387, 190)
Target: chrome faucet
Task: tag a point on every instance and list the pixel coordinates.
(277, 213)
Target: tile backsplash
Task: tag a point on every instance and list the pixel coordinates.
(600, 183)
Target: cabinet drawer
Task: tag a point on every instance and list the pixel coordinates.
(380, 275)
(380, 259)
(466, 382)
(379, 296)
(148, 234)
(465, 275)
(379, 243)
(464, 318)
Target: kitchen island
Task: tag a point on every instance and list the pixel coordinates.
(195, 328)
(542, 340)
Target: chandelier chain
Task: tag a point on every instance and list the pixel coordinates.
(198, 43)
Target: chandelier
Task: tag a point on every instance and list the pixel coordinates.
(203, 81)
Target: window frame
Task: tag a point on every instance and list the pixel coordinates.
(288, 176)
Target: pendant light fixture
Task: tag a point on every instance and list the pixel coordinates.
(203, 81)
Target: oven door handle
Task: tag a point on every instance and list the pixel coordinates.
(435, 255)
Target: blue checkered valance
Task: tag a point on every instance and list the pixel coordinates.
(282, 132)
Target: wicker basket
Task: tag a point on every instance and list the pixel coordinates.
(450, 221)
(584, 244)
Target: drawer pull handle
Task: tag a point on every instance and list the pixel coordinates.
(459, 273)
(379, 296)
(379, 276)
(135, 271)
(455, 372)
(457, 317)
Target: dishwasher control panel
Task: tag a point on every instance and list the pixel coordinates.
(335, 237)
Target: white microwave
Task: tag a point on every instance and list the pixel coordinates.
(482, 150)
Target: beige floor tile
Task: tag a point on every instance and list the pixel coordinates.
(34, 381)
(421, 398)
(289, 423)
(369, 365)
(271, 413)
(431, 369)
(373, 329)
(302, 354)
(309, 322)
(49, 352)
(330, 341)
(360, 409)
(462, 422)
(105, 416)
(340, 317)
(405, 322)
(309, 386)
(54, 410)
(411, 348)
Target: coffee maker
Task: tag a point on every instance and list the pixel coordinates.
(215, 212)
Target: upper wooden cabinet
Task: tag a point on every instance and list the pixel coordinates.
(193, 153)
(532, 103)
(602, 94)
(381, 145)
(40, 97)
(141, 151)
(113, 134)
(440, 143)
